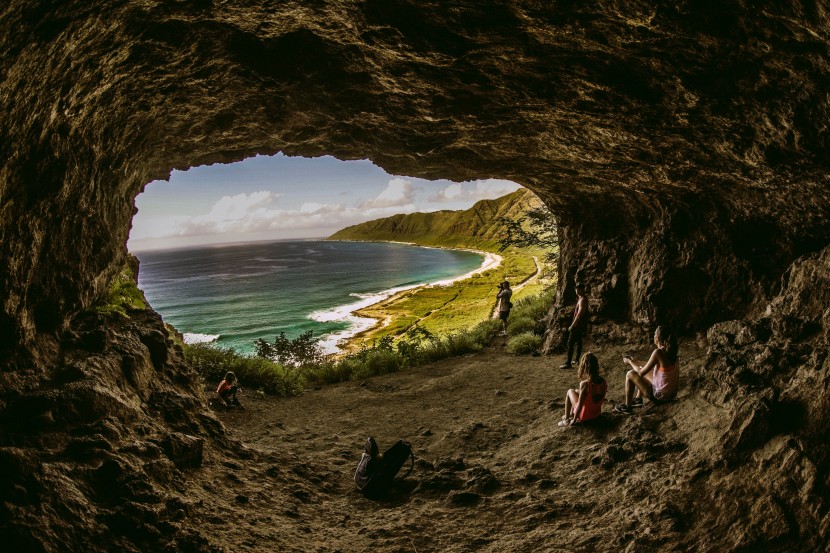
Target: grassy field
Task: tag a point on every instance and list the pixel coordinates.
(459, 306)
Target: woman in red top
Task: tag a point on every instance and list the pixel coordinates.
(585, 404)
(227, 390)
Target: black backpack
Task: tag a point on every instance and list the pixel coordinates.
(375, 473)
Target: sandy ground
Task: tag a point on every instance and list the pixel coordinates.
(493, 470)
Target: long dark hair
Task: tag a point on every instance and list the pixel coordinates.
(665, 336)
(589, 366)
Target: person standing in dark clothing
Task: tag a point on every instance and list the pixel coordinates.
(578, 327)
(504, 304)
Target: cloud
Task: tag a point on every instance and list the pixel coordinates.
(487, 189)
(257, 213)
(252, 213)
(398, 193)
(232, 208)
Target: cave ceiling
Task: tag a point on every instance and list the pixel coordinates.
(609, 110)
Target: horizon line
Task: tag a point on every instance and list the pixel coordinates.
(223, 244)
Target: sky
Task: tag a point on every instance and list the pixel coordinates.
(280, 197)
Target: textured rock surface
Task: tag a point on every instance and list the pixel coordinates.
(682, 144)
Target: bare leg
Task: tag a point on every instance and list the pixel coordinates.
(634, 364)
(635, 382)
(647, 376)
(571, 397)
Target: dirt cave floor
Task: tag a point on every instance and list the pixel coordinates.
(493, 470)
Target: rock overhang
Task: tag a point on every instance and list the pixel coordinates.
(666, 123)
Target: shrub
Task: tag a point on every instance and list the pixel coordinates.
(519, 325)
(524, 343)
(486, 331)
(252, 372)
(417, 347)
(411, 353)
(301, 351)
(459, 343)
(534, 307)
(375, 362)
(331, 373)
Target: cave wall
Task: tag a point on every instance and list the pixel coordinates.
(683, 146)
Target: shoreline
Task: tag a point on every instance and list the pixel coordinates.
(337, 343)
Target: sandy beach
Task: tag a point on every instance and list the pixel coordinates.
(361, 324)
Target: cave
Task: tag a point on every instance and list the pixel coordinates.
(682, 146)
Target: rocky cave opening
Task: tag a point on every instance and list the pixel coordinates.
(682, 146)
(269, 199)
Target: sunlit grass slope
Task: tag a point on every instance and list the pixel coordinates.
(447, 309)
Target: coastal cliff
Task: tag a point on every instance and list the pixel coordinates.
(681, 145)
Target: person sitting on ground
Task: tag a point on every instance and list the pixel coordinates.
(504, 304)
(578, 327)
(228, 389)
(658, 379)
(586, 403)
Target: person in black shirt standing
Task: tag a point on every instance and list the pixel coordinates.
(578, 327)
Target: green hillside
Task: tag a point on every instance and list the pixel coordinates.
(442, 310)
(478, 227)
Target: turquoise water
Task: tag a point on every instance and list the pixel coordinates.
(231, 295)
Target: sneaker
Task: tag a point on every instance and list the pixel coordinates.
(565, 366)
(623, 408)
(565, 422)
(637, 402)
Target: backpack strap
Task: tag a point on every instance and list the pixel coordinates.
(411, 462)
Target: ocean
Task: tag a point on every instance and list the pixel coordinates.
(232, 294)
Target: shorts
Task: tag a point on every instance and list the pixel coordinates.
(663, 399)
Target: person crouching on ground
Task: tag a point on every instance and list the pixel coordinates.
(586, 403)
(658, 379)
(578, 327)
(228, 389)
(504, 304)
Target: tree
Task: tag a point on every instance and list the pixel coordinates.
(302, 351)
(536, 228)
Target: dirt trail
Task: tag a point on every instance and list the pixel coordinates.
(494, 472)
(530, 278)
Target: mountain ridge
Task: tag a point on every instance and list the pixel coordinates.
(479, 226)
